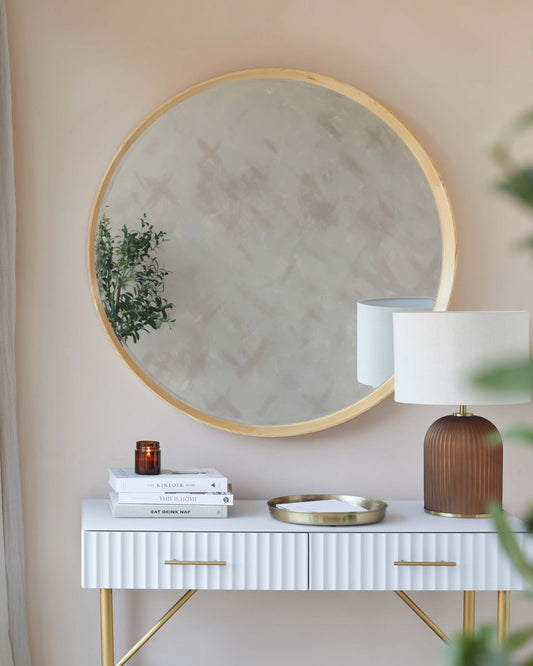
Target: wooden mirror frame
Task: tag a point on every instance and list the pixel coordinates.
(442, 202)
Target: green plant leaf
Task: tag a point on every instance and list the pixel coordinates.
(517, 127)
(520, 432)
(524, 243)
(510, 377)
(500, 149)
(479, 649)
(518, 182)
(509, 543)
(529, 520)
(519, 638)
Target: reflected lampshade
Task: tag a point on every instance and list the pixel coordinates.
(375, 357)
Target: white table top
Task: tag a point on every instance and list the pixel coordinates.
(253, 516)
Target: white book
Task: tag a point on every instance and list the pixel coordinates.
(201, 499)
(201, 480)
(119, 510)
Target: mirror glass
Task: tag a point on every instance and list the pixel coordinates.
(237, 228)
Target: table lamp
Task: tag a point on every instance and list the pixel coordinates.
(375, 354)
(436, 355)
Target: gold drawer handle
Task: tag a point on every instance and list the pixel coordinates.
(209, 563)
(403, 563)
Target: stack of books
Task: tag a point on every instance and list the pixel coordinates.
(188, 493)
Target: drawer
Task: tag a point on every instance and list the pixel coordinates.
(239, 561)
(410, 561)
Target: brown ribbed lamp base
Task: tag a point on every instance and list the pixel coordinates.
(463, 468)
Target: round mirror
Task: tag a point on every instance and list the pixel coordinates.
(236, 229)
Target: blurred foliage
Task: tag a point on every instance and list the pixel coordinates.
(513, 377)
(481, 649)
(130, 280)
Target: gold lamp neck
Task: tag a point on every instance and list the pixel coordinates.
(462, 411)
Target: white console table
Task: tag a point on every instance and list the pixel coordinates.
(410, 550)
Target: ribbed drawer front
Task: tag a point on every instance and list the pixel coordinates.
(367, 562)
(136, 560)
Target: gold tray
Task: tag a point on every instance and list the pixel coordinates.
(375, 511)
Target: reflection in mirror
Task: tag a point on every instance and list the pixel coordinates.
(375, 355)
(235, 231)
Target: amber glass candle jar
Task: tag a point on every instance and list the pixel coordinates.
(147, 458)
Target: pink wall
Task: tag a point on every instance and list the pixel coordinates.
(84, 74)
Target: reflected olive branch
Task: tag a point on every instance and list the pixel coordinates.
(130, 280)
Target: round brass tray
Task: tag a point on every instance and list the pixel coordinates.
(375, 511)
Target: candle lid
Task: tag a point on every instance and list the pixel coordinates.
(144, 444)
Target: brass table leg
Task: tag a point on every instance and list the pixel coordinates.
(106, 626)
(504, 615)
(157, 626)
(427, 620)
(469, 612)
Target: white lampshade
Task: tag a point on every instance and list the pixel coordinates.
(436, 355)
(375, 355)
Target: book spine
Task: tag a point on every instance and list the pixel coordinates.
(200, 499)
(175, 511)
(159, 484)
